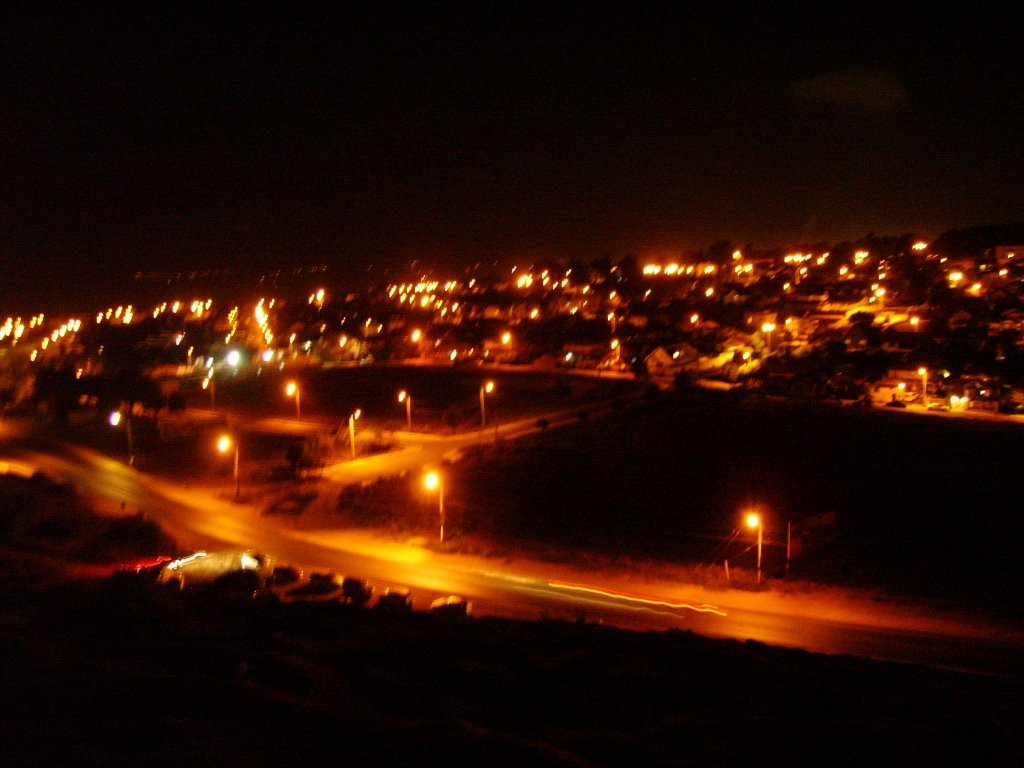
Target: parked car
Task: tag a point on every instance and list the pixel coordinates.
(355, 591)
(283, 578)
(395, 600)
(201, 568)
(451, 607)
(320, 587)
(233, 585)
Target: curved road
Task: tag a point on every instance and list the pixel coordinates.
(522, 589)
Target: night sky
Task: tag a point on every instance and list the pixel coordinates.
(378, 134)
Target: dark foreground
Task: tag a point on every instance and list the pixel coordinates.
(98, 673)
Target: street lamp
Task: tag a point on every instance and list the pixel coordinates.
(506, 339)
(352, 430)
(431, 481)
(225, 444)
(484, 389)
(754, 520)
(115, 419)
(405, 397)
(292, 390)
(923, 373)
(209, 383)
(768, 328)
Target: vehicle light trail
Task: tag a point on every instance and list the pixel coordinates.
(702, 608)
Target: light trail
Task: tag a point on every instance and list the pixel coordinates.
(702, 608)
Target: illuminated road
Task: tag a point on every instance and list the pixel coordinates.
(522, 589)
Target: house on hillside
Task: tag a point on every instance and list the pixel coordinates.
(661, 368)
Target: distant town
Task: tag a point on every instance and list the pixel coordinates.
(888, 322)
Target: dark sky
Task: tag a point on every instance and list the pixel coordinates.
(189, 138)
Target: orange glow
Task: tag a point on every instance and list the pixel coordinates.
(646, 600)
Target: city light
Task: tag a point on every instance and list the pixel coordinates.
(352, 430)
(405, 397)
(485, 389)
(292, 390)
(224, 444)
(754, 520)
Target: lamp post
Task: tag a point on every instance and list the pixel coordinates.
(768, 328)
(923, 373)
(225, 444)
(434, 480)
(506, 339)
(115, 419)
(754, 520)
(292, 390)
(484, 389)
(405, 397)
(210, 384)
(352, 430)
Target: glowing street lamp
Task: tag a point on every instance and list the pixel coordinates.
(115, 420)
(923, 373)
(484, 389)
(754, 520)
(225, 444)
(405, 397)
(432, 481)
(292, 390)
(352, 430)
(768, 328)
(506, 339)
(210, 384)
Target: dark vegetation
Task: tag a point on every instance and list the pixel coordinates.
(51, 520)
(98, 674)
